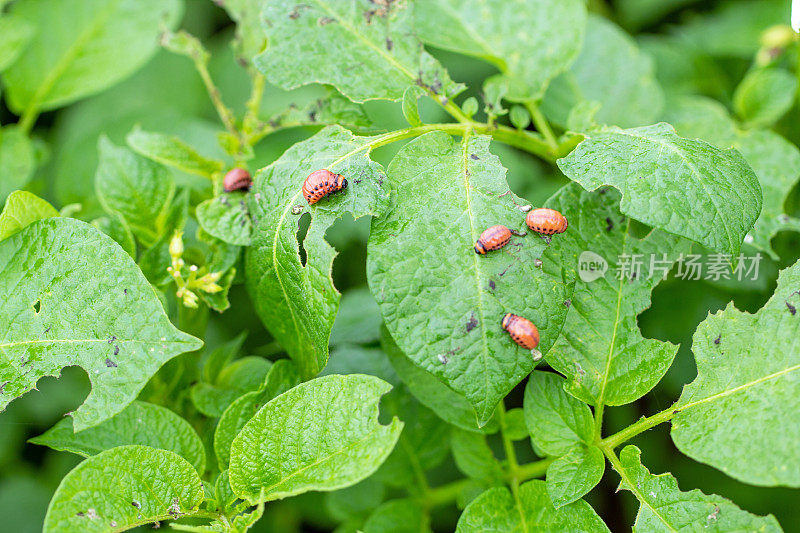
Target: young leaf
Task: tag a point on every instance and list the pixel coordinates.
(139, 423)
(447, 194)
(74, 297)
(138, 189)
(497, 510)
(329, 424)
(664, 507)
(281, 377)
(226, 218)
(574, 474)
(411, 98)
(21, 209)
(474, 458)
(15, 34)
(612, 71)
(17, 160)
(556, 420)
(297, 300)
(683, 186)
(370, 49)
(764, 96)
(122, 488)
(242, 376)
(432, 393)
(172, 152)
(99, 44)
(398, 516)
(491, 31)
(601, 350)
(747, 387)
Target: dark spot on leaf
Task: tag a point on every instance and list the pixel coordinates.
(112, 339)
(609, 224)
(37, 306)
(324, 21)
(389, 44)
(80, 514)
(125, 292)
(718, 339)
(224, 201)
(46, 330)
(3, 386)
(472, 323)
(110, 363)
(136, 504)
(492, 284)
(567, 302)
(116, 350)
(474, 156)
(792, 309)
(312, 116)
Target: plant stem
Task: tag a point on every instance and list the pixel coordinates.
(253, 107)
(224, 112)
(609, 443)
(598, 421)
(542, 126)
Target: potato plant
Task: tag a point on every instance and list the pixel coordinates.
(236, 349)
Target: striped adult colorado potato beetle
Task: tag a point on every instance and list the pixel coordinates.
(546, 221)
(322, 183)
(521, 330)
(492, 239)
(237, 179)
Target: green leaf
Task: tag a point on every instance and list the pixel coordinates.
(556, 420)
(601, 350)
(115, 227)
(474, 458)
(574, 474)
(250, 38)
(76, 298)
(242, 376)
(493, 31)
(748, 375)
(297, 300)
(447, 194)
(154, 260)
(398, 516)
(218, 358)
(432, 393)
(496, 510)
(683, 186)
(23, 208)
(124, 487)
(764, 96)
(664, 507)
(281, 377)
(359, 318)
(331, 426)
(519, 117)
(411, 98)
(139, 423)
(226, 218)
(698, 117)
(612, 71)
(140, 190)
(172, 152)
(366, 50)
(515, 426)
(15, 34)
(331, 108)
(98, 43)
(17, 160)
(353, 359)
(356, 502)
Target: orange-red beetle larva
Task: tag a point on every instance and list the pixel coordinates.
(546, 221)
(493, 238)
(521, 330)
(322, 183)
(237, 179)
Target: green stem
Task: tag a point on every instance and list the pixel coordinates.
(508, 444)
(609, 443)
(28, 119)
(598, 422)
(253, 107)
(542, 126)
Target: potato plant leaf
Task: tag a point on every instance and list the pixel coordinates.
(84, 56)
(663, 507)
(329, 425)
(530, 41)
(398, 516)
(474, 458)
(556, 420)
(172, 152)
(72, 296)
(140, 190)
(23, 208)
(115, 227)
(141, 423)
(371, 49)
(226, 218)
(497, 510)
(764, 96)
(296, 299)
(683, 186)
(448, 192)
(748, 370)
(250, 39)
(612, 71)
(601, 350)
(17, 160)
(124, 487)
(15, 34)
(574, 474)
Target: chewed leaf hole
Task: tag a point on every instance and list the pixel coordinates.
(37, 306)
(302, 231)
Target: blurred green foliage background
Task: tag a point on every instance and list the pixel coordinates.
(699, 47)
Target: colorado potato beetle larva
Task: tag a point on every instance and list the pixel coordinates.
(322, 183)
(522, 330)
(237, 179)
(546, 221)
(492, 238)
